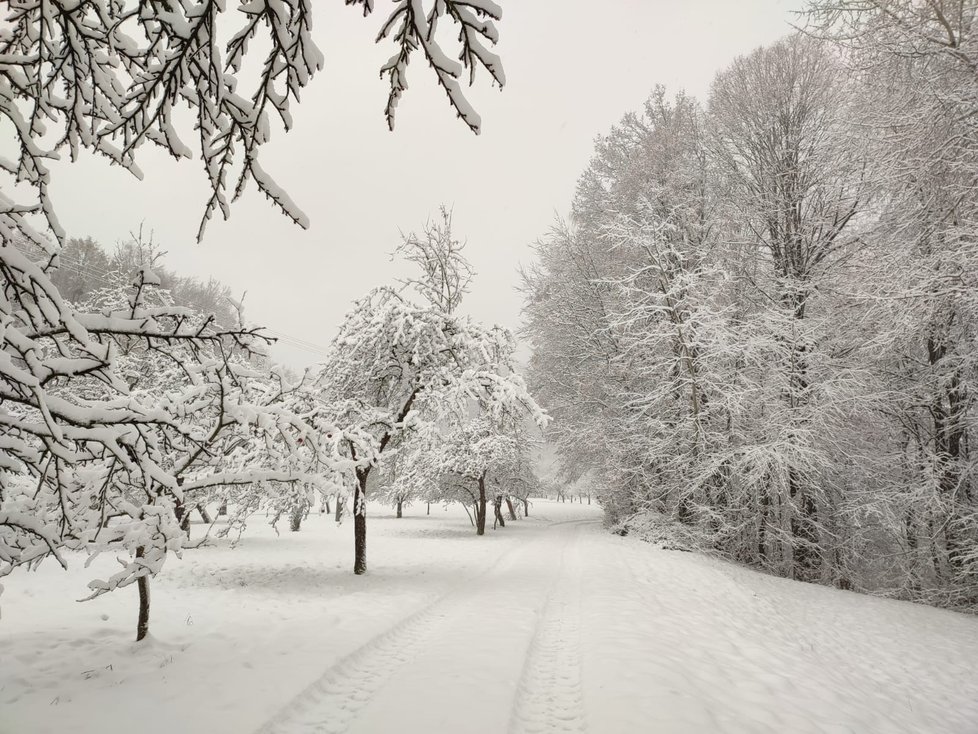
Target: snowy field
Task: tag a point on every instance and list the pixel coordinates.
(550, 624)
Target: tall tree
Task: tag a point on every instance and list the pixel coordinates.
(916, 66)
(775, 115)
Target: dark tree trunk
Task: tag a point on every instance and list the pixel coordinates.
(526, 507)
(805, 554)
(400, 507)
(480, 508)
(295, 518)
(509, 506)
(222, 511)
(360, 523)
(339, 509)
(326, 509)
(180, 510)
(183, 517)
(429, 508)
(142, 584)
(948, 415)
(762, 525)
(589, 498)
(360, 494)
(497, 510)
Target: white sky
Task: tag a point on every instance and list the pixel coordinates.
(573, 69)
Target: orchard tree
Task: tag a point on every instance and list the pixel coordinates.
(120, 438)
(391, 486)
(467, 460)
(396, 367)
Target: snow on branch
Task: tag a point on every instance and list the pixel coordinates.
(110, 77)
(117, 415)
(410, 27)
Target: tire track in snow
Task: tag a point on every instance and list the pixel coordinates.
(550, 697)
(331, 703)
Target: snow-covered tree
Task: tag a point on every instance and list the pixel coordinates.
(444, 273)
(915, 64)
(119, 416)
(396, 366)
(797, 187)
(465, 462)
(756, 334)
(109, 76)
(80, 441)
(83, 267)
(615, 307)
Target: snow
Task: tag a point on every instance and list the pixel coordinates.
(548, 624)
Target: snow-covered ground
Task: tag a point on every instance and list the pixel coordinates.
(550, 624)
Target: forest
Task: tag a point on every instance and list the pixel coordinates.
(756, 332)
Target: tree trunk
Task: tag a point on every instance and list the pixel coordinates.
(339, 509)
(142, 584)
(295, 518)
(204, 514)
(326, 509)
(805, 554)
(480, 513)
(183, 517)
(222, 510)
(589, 498)
(526, 507)
(949, 419)
(400, 506)
(509, 506)
(762, 525)
(429, 508)
(360, 523)
(497, 509)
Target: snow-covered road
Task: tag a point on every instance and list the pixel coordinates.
(551, 625)
(456, 664)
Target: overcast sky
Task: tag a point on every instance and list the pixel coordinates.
(573, 68)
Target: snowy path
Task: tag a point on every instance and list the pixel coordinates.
(674, 643)
(467, 646)
(550, 625)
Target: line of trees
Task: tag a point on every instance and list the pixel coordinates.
(184, 413)
(758, 328)
(125, 401)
